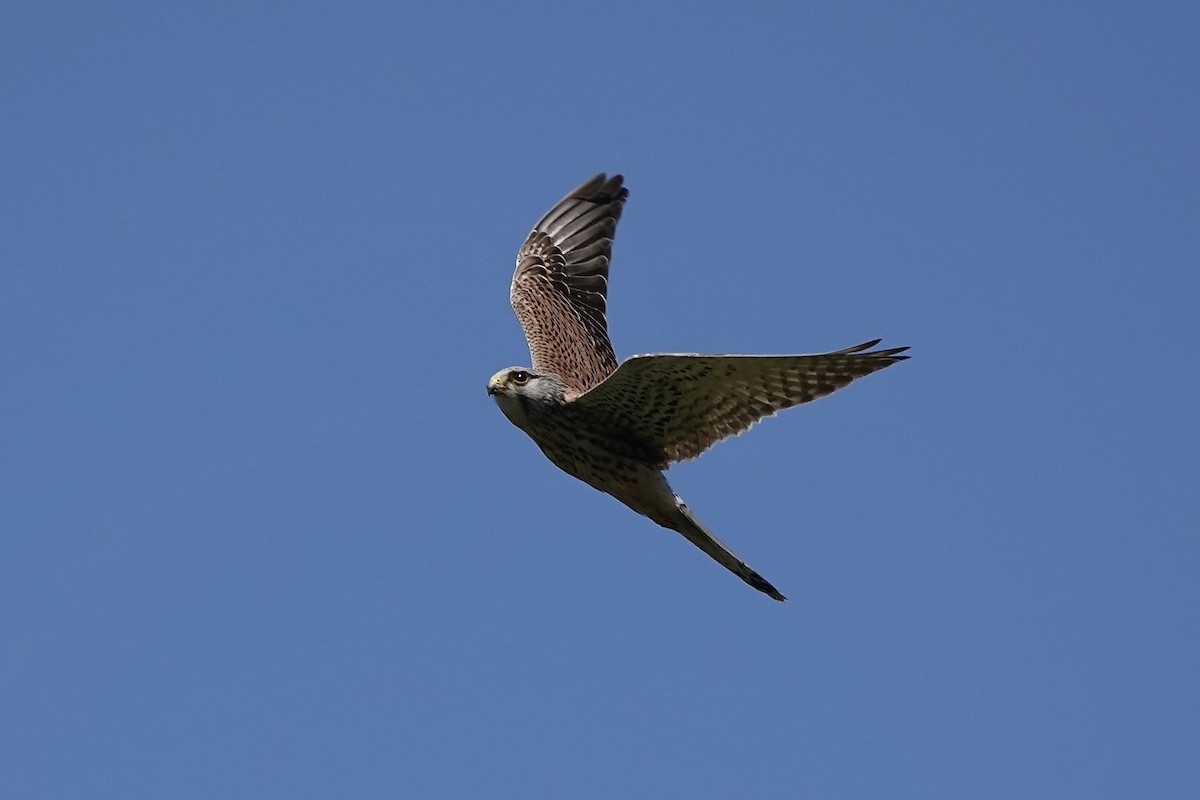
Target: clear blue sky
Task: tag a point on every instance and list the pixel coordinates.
(263, 534)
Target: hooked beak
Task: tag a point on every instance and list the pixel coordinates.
(494, 387)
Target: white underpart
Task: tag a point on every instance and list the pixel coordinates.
(510, 404)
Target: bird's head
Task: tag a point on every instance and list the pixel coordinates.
(522, 390)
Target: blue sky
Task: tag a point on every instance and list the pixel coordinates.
(263, 534)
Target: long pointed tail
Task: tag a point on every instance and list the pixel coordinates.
(700, 536)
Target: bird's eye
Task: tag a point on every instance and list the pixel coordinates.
(520, 377)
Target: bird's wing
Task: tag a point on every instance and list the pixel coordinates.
(681, 405)
(559, 288)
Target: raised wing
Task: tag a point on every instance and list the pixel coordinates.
(681, 405)
(560, 287)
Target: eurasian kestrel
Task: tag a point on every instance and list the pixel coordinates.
(617, 428)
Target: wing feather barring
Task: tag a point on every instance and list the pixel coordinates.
(618, 427)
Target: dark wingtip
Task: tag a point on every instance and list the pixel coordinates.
(891, 354)
(602, 189)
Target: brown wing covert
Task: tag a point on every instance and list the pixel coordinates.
(681, 405)
(559, 290)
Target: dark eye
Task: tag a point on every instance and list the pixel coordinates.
(520, 377)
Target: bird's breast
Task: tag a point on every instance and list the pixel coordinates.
(514, 409)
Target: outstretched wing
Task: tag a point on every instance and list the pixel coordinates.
(681, 405)
(560, 286)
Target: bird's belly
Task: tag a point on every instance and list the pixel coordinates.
(635, 483)
(583, 456)
(593, 465)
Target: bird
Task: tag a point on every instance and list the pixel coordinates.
(618, 427)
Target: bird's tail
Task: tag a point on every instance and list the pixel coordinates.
(700, 536)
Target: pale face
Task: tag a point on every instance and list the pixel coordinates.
(506, 386)
(509, 380)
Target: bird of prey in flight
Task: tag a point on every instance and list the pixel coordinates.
(618, 427)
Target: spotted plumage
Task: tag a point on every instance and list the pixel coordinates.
(618, 427)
